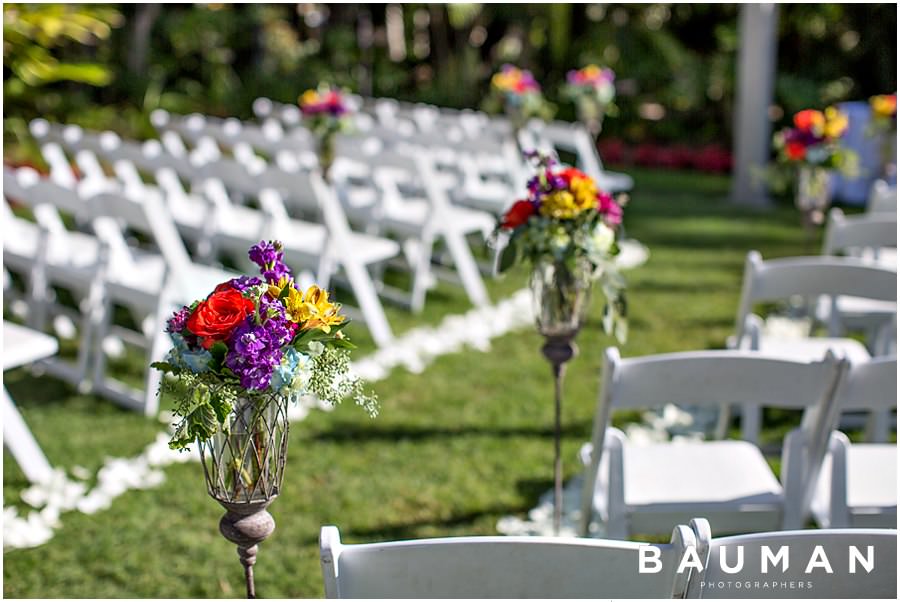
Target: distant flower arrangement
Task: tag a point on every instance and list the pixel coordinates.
(884, 112)
(517, 93)
(325, 110)
(253, 337)
(593, 90)
(814, 140)
(565, 218)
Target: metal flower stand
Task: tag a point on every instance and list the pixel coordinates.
(244, 466)
(561, 296)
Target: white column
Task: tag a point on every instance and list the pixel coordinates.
(757, 25)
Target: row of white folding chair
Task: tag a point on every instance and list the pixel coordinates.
(489, 167)
(377, 204)
(150, 285)
(480, 164)
(637, 488)
(210, 217)
(860, 563)
(809, 278)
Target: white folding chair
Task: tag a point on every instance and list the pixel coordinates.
(637, 488)
(815, 563)
(502, 567)
(23, 346)
(806, 278)
(46, 254)
(858, 482)
(869, 236)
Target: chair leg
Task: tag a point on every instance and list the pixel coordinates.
(751, 419)
(421, 262)
(369, 304)
(466, 267)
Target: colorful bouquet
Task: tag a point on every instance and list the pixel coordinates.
(814, 140)
(592, 89)
(567, 222)
(515, 92)
(251, 338)
(325, 114)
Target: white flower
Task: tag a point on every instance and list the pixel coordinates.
(602, 238)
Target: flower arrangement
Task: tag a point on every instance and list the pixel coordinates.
(253, 337)
(814, 139)
(518, 94)
(884, 112)
(567, 221)
(325, 114)
(593, 90)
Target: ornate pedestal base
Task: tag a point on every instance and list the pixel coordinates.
(247, 525)
(558, 350)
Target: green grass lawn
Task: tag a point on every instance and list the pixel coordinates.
(454, 449)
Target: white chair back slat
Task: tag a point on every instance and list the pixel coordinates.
(869, 230)
(861, 563)
(780, 279)
(500, 567)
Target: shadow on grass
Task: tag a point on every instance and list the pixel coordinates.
(411, 529)
(342, 432)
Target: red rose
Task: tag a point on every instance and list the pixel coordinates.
(518, 214)
(796, 151)
(225, 286)
(216, 318)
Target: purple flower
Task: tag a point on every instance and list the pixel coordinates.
(269, 257)
(178, 321)
(244, 282)
(256, 349)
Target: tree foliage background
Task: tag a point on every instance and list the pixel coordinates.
(108, 66)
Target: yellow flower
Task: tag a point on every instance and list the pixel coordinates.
(275, 289)
(316, 311)
(560, 204)
(591, 71)
(884, 105)
(506, 80)
(585, 191)
(836, 123)
(294, 305)
(309, 97)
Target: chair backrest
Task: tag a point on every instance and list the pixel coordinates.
(503, 567)
(780, 279)
(869, 385)
(869, 230)
(715, 377)
(882, 198)
(814, 563)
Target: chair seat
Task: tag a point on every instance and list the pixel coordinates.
(871, 476)
(732, 473)
(871, 486)
(71, 257)
(811, 348)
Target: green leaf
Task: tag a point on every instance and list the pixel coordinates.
(164, 367)
(222, 407)
(508, 257)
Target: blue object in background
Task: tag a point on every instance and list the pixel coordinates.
(855, 191)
